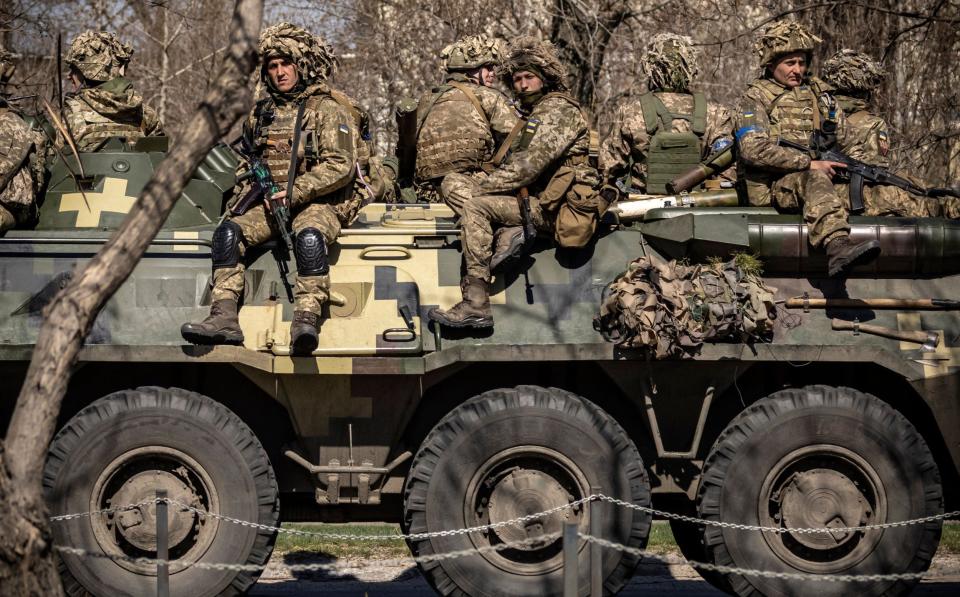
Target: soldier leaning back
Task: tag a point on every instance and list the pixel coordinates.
(104, 103)
(783, 104)
(21, 163)
(548, 165)
(460, 123)
(296, 65)
(669, 129)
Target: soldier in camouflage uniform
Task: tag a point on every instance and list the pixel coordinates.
(555, 136)
(21, 153)
(461, 122)
(104, 103)
(296, 66)
(671, 64)
(853, 77)
(783, 104)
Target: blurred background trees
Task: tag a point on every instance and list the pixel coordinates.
(389, 49)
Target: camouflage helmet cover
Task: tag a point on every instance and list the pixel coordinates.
(473, 52)
(528, 52)
(670, 62)
(848, 70)
(312, 55)
(98, 55)
(7, 65)
(783, 37)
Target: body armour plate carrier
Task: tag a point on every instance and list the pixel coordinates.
(671, 153)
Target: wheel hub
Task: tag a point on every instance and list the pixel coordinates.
(822, 499)
(524, 492)
(139, 525)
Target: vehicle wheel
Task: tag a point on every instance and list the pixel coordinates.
(123, 447)
(820, 457)
(512, 452)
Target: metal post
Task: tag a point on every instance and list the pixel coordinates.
(596, 556)
(163, 552)
(571, 567)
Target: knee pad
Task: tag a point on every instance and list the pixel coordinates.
(226, 245)
(311, 252)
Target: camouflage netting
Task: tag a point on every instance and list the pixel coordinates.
(672, 309)
(527, 51)
(670, 62)
(313, 56)
(473, 52)
(783, 37)
(7, 65)
(98, 56)
(848, 70)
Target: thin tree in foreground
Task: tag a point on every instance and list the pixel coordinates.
(26, 556)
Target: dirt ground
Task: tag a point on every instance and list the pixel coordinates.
(365, 578)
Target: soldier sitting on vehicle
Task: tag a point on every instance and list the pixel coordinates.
(545, 185)
(104, 104)
(782, 104)
(669, 129)
(21, 158)
(852, 78)
(461, 122)
(295, 68)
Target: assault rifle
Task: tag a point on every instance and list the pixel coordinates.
(263, 188)
(824, 147)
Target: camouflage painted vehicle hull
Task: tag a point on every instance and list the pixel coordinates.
(393, 419)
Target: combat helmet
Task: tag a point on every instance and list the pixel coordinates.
(539, 56)
(472, 52)
(312, 55)
(783, 37)
(99, 56)
(7, 66)
(670, 62)
(852, 72)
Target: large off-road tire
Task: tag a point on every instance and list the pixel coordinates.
(124, 446)
(512, 452)
(814, 457)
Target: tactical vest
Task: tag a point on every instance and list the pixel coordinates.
(90, 128)
(453, 132)
(671, 153)
(793, 113)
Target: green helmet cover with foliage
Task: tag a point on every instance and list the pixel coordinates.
(783, 37)
(99, 56)
(472, 52)
(539, 56)
(852, 71)
(312, 55)
(670, 62)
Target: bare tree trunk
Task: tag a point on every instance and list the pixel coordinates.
(26, 565)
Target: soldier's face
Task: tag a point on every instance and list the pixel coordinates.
(282, 73)
(526, 82)
(487, 76)
(790, 69)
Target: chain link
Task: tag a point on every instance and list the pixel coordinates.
(106, 511)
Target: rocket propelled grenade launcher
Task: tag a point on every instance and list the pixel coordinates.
(636, 206)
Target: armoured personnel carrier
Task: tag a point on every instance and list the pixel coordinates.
(394, 420)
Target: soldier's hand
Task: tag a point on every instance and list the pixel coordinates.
(281, 196)
(827, 167)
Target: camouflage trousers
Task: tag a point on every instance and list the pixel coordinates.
(311, 292)
(481, 214)
(17, 204)
(812, 193)
(885, 200)
(457, 189)
(7, 219)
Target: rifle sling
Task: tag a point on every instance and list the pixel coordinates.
(295, 152)
(498, 157)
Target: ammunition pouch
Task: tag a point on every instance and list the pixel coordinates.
(577, 217)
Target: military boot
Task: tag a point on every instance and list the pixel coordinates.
(222, 326)
(473, 311)
(507, 245)
(304, 335)
(843, 254)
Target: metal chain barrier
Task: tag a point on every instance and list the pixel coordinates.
(519, 521)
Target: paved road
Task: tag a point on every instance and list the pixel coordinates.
(680, 581)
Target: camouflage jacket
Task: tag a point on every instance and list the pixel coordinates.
(21, 168)
(454, 133)
(625, 150)
(112, 109)
(331, 147)
(868, 139)
(768, 111)
(556, 134)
